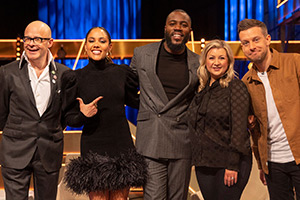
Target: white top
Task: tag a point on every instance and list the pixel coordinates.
(278, 146)
(40, 86)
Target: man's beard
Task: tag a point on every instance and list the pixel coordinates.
(176, 47)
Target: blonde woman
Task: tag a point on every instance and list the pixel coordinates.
(218, 119)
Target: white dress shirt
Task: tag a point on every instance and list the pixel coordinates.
(40, 86)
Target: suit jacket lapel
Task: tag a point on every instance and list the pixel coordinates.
(53, 74)
(151, 61)
(26, 83)
(192, 66)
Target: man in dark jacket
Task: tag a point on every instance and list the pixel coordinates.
(30, 118)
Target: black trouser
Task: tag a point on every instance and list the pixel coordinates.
(211, 181)
(282, 179)
(17, 181)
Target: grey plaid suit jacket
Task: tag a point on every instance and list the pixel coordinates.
(162, 130)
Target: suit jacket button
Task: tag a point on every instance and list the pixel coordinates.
(177, 119)
(158, 115)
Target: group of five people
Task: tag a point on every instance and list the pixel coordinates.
(192, 111)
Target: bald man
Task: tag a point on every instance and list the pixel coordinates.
(30, 118)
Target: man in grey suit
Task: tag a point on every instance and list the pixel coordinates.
(30, 118)
(167, 74)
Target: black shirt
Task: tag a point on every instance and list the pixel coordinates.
(172, 70)
(218, 119)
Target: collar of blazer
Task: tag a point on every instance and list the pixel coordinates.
(51, 63)
(192, 58)
(193, 64)
(24, 60)
(53, 74)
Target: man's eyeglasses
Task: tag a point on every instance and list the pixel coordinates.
(36, 40)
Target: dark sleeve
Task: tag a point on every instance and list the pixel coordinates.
(133, 63)
(4, 98)
(131, 87)
(240, 139)
(70, 106)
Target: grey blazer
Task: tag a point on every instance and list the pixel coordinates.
(162, 130)
(24, 130)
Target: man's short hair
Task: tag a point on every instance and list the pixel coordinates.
(250, 23)
(182, 11)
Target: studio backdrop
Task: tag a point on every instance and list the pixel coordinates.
(71, 19)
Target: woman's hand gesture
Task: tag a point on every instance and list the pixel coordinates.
(89, 110)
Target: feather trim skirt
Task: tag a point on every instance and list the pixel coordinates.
(98, 173)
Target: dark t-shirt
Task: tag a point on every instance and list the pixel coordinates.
(172, 70)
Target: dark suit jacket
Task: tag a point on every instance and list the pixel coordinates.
(24, 130)
(162, 130)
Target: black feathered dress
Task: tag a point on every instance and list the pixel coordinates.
(108, 158)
